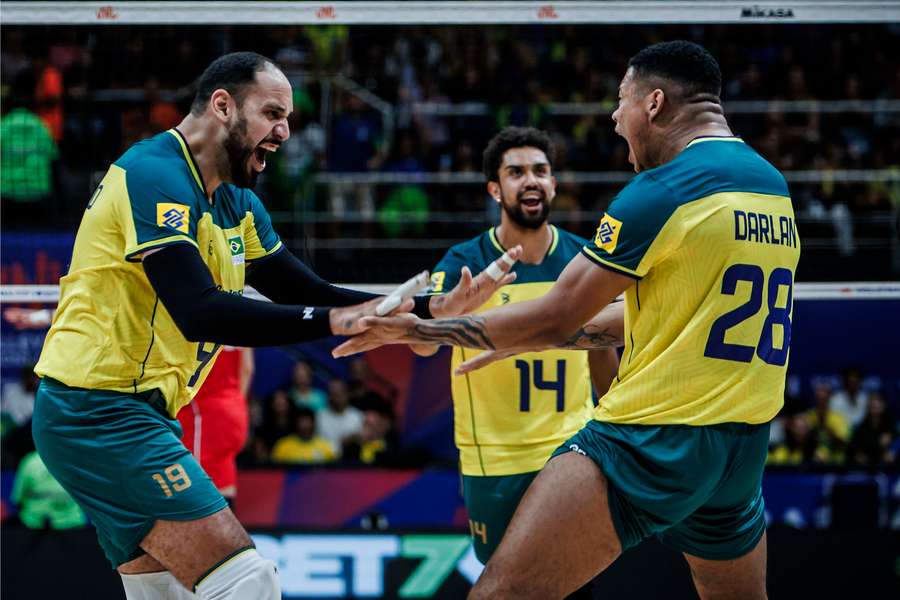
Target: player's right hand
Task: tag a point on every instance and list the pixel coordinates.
(471, 292)
(346, 320)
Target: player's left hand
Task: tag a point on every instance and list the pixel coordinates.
(349, 320)
(471, 292)
(378, 331)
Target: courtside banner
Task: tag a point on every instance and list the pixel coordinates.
(372, 565)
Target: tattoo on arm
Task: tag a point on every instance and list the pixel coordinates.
(468, 332)
(590, 337)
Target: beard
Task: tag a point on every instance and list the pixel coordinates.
(518, 215)
(238, 154)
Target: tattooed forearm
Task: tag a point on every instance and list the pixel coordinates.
(468, 332)
(592, 336)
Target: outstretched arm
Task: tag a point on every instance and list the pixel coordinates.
(203, 312)
(601, 334)
(555, 319)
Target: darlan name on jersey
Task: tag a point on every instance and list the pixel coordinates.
(765, 228)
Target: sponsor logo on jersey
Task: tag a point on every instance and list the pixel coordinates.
(504, 298)
(437, 282)
(173, 216)
(236, 246)
(608, 233)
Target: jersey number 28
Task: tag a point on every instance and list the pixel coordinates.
(717, 347)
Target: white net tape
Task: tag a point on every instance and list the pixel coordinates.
(877, 290)
(446, 13)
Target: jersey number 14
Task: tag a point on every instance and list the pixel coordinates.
(525, 381)
(717, 347)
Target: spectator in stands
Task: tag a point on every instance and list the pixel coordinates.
(356, 146)
(300, 157)
(278, 419)
(27, 155)
(377, 442)
(17, 402)
(161, 114)
(43, 503)
(303, 446)
(339, 422)
(302, 392)
(851, 401)
(798, 447)
(48, 95)
(367, 388)
(873, 438)
(830, 429)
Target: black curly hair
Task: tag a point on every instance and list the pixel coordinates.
(514, 137)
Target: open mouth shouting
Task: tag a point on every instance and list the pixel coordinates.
(258, 162)
(532, 201)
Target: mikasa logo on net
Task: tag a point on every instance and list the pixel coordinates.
(756, 11)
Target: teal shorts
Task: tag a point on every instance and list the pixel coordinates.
(122, 460)
(698, 488)
(491, 503)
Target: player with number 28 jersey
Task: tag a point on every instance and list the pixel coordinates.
(710, 239)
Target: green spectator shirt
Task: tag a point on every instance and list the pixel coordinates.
(41, 499)
(26, 153)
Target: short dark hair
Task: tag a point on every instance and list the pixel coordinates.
(686, 63)
(514, 137)
(232, 73)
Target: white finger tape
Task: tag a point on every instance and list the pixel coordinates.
(507, 259)
(494, 272)
(405, 290)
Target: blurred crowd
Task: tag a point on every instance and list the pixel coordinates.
(97, 90)
(846, 422)
(350, 421)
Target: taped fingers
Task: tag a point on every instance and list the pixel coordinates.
(508, 258)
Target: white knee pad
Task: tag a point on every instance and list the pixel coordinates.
(244, 576)
(154, 586)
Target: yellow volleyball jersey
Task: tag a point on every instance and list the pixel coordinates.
(510, 416)
(711, 242)
(111, 331)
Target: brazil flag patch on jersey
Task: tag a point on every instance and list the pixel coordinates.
(236, 245)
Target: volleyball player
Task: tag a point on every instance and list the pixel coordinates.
(511, 416)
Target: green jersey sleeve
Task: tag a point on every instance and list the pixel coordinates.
(161, 208)
(636, 231)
